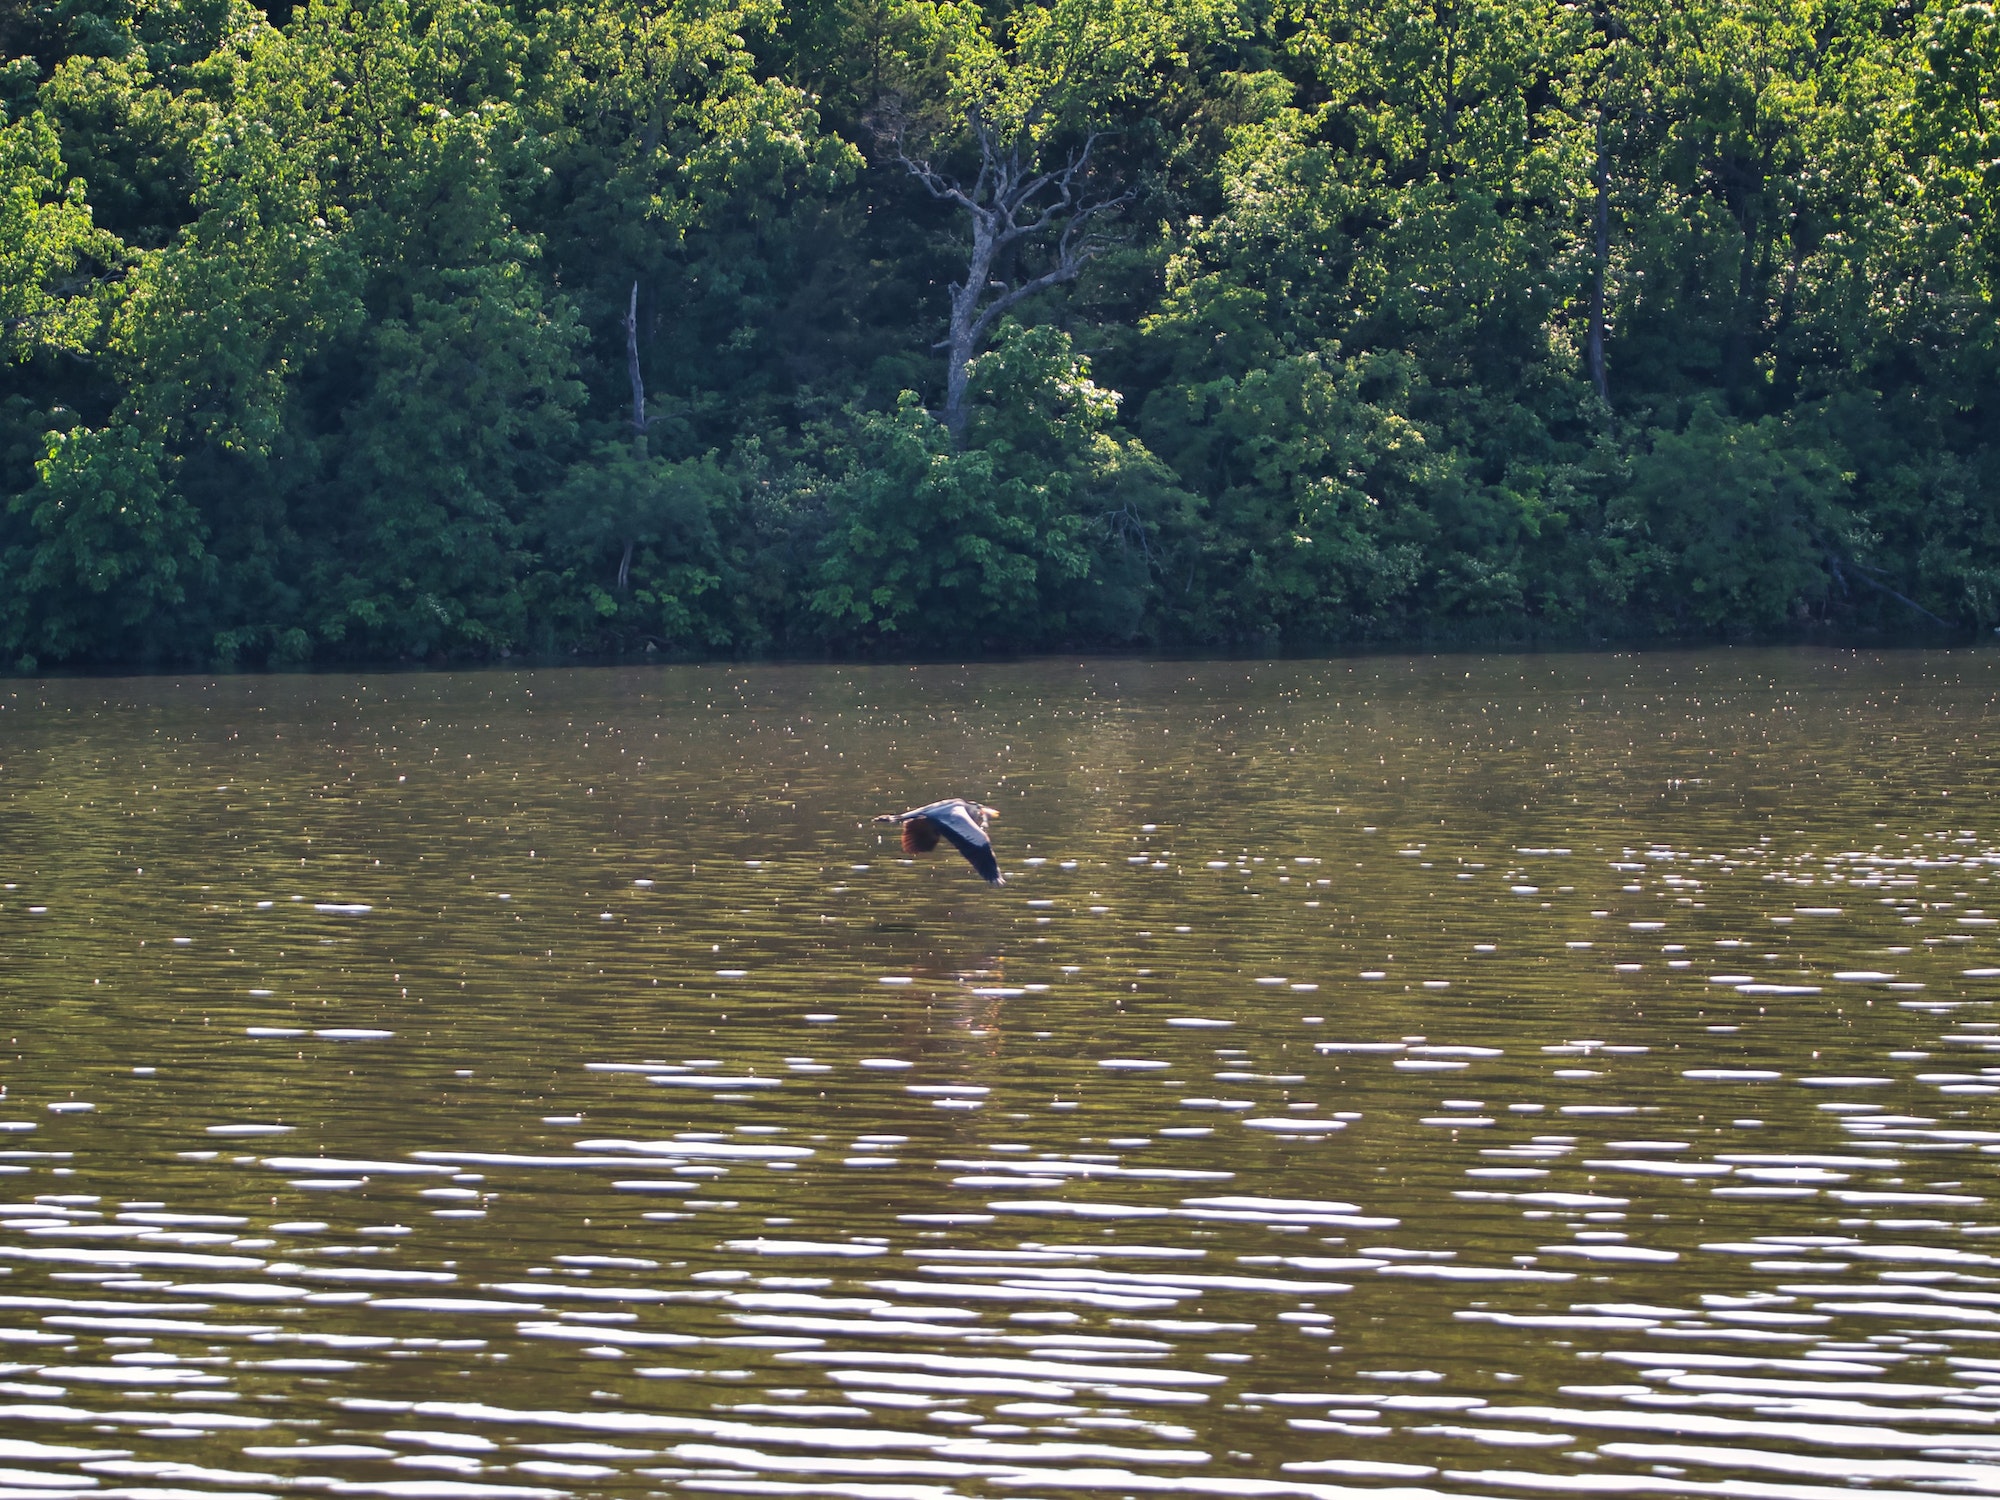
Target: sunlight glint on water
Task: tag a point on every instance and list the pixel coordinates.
(1478, 1076)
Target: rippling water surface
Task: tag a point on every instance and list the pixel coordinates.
(1478, 1076)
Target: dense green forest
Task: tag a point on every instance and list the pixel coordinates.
(452, 329)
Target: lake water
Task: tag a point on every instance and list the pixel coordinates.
(1491, 1076)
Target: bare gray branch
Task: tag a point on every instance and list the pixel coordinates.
(1012, 199)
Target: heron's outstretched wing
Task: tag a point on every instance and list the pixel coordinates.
(936, 809)
(956, 822)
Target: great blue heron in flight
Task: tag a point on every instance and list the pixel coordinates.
(963, 822)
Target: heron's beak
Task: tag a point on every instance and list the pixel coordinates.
(888, 818)
(989, 813)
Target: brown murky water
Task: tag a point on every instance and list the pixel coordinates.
(1466, 1075)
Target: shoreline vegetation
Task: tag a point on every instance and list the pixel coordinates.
(1354, 653)
(378, 331)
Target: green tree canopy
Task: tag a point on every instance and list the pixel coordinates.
(407, 329)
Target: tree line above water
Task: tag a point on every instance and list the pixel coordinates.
(371, 329)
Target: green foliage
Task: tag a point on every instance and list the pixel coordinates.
(1730, 523)
(313, 338)
(941, 547)
(640, 537)
(47, 235)
(1040, 530)
(109, 547)
(1041, 69)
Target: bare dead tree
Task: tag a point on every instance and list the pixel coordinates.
(1012, 201)
(632, 371)
(638, 419)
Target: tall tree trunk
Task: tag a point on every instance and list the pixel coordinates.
(962, 337)
(1601, 218)
(632, 373)
(638, 418)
